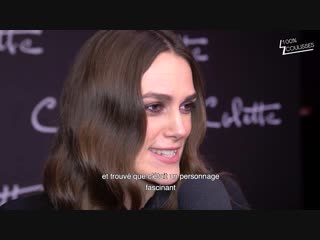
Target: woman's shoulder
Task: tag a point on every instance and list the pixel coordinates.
(36, 201)
(237, 197)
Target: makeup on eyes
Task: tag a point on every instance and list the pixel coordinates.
(157, 107)
(161, 101)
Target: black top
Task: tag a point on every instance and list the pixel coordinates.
(41, 201)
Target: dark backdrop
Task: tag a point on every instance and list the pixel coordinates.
(253, 101)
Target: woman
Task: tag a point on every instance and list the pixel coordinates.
(133, 104)
(127, 107)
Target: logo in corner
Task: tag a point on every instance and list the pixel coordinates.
(291, 46)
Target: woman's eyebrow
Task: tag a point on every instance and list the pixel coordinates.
(165, 97)
(191, 97)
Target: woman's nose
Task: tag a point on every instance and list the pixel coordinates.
(177, 126)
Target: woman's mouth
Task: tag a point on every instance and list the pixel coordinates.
(166, 155)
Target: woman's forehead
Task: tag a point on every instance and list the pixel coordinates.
(168, 71)
(168, 63)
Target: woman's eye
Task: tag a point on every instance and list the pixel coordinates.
(154, 108)
(187, 108)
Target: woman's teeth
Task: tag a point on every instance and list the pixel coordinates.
(166, 153)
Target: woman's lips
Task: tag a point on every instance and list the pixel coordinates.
(166, 159)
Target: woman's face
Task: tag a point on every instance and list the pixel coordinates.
(168, 95)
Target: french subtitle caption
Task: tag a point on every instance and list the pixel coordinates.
(159, 176)
(155, 176)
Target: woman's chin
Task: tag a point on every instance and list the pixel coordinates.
(165, 181)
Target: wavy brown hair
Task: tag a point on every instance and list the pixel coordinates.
(102, 122)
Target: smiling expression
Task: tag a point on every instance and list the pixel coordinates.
(168, 95)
